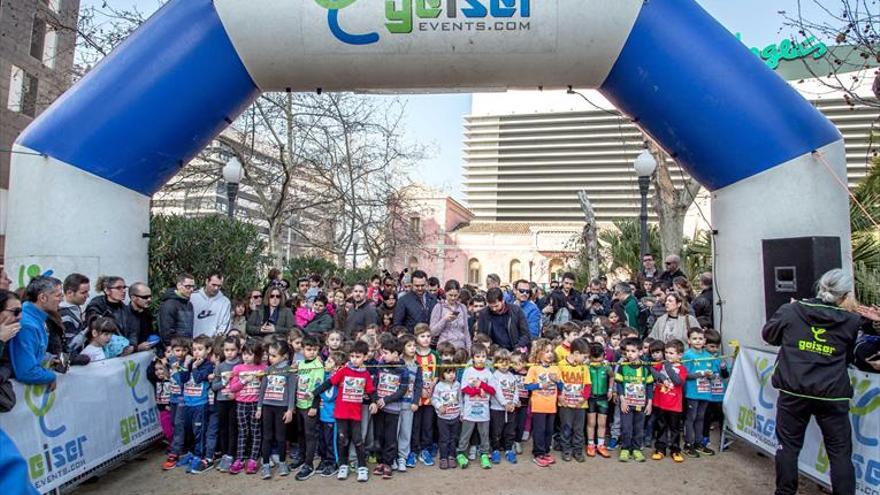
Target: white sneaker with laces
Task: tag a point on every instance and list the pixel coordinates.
(363, 474)
(401, 465)
(342, 474)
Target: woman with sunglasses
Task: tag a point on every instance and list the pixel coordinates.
(272, 317)
(10, 316)
(111, 302)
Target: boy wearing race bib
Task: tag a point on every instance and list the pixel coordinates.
(635, 388)
(409, 404)
(573, 399)
(392, 383)
(502, 409)
(601, 381)
(669, 378)
(195, 381)
(701, 369)
(476, 388)
(275, 407)
(423, 418)
(180, 347)
(446, 400)
(310, 375)
(354, 386)
(714, 411)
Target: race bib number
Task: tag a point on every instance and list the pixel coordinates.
(174, 388)
(479, 408)
(427, 382)
(303, 388)
(717, 386)
(523, 393)
(508, 389)
(275, 386)
(224, 378)
(353, 389)
(634, 394)
(451, 403)
(388, 384)
(572, 395)
(704, 386)
(252, 387)
(163, 393)
(543, 381)
(191, 389)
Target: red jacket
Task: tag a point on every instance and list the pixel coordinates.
(665, 397)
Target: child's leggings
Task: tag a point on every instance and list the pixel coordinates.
(249, 431)
(348, 433)
(542, 433)
(228, 426)
(273, 429)
(693, 423)
(449, 431)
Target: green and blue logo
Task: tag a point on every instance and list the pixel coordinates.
(764, 369)
(405, 16)
(40, 400)
(55, 459)
(132, 377)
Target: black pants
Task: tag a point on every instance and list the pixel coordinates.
(571, 436)
(422, 429)
(502, 429)
(385, 434)
(542, 433)
(228, 426)
(632, 429)
(273, 430)
(714, 412)
(522, 414)
(348, 431)
(667, 430)
(695, 415)
(449, 431)
(792, 417)
(308, 437)
(328, 443)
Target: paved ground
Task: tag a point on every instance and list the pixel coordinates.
(740, 470)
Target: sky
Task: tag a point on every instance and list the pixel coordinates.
(436, 121)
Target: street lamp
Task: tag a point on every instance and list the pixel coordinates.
(356, 238)
(645, 166)
(232, 174)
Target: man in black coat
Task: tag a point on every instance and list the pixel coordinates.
(415, 305)
(176, 312)
(363, 313)
(504, 323)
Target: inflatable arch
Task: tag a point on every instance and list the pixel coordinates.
(80, 199)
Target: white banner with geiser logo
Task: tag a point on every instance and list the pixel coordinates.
(96, 413)
(750, 412)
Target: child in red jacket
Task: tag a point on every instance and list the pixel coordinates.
(669, 379)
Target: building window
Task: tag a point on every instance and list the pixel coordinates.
(22, 92)
(557, 267)
(53, 5)
(38, 38)
(50, 47)
(515, 271)
(474, 276)
(415, 225)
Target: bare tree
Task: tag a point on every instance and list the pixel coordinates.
(847, 22)
(671, 204)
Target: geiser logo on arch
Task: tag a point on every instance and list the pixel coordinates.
(64, 450)
(403, 17)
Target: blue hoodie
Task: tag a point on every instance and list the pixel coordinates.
(28, 349)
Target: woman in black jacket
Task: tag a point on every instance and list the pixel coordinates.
(816, 339)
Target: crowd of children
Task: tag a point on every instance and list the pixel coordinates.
(392, 400)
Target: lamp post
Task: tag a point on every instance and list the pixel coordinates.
(356, 239)
(232, 174)
(645, 166)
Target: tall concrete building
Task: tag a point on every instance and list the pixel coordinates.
(36, 62)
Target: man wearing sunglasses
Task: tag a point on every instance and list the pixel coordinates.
(673, 270)
(138, 317)
(523, 291)
(176, 312)
(27, 350)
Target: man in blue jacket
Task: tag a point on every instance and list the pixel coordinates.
(523, 291)
(27, 350)
(415, 305)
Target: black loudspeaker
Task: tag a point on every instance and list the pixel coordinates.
(793, 266)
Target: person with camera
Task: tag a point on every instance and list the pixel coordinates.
(449, 318)
(816, 339)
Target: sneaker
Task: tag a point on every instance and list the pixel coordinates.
(472, 453)
(496, 457)
(451, 463)
(689, 451)
(444, 464)
(193, 464)
(580, 457)
(363, 474)
(170, 463)
(236, 467)
(638, 456)
(426, 458)
(329, 470)
(485, 462)
(305, 472)
(203, 466)
(400, 465)
(658, 455)
(342, 472)
(510, 456)
(296, 463)
(541, 461)
(703, 450)
(185, 460)
(591, 450)
(566, 456)
(387, 473)
(379, 469)
(550, 458)
(677, 457)
(251, 467)
(517, 447)
(224, 464)
(624, 456)
(525, 436)
(266, 471)
(612, 444)
(274, 460)
(557, 447)
(603, 451)
(283, 469)
(462, 461)
(411, 460)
